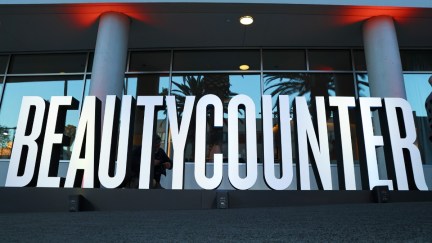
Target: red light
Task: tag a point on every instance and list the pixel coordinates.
(351, 15)
(84, 15)
(323, 68)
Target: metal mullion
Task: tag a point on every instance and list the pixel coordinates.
(215, 48)
(209, 72)
(354, 74)
(416, 72)
(285, 71)
(7, 64)
(84, 81)
(45, 52)
(171, 72)
(126, 84)
(167, 134)
(4, 78)
(43, 74)
(307, 59)
(327, 48)
(147, 72)
(126, 79)
(149, 49)
(305, 71)
(262, 72)
(128, 61)
(309, 48)
(323, 71)
(199, 49)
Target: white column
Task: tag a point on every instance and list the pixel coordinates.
(382, 58)
(110, 55)
(384, 68)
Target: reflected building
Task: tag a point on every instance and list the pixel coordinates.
(143, 48)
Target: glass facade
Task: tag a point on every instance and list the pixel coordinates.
(225, 86)
(312, 85)
(148, 84)
(294, 72)
(44, 86)
(43, 75)
(417, 70)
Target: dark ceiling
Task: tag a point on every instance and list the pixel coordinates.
(174, 25)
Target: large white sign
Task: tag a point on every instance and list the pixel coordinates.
(39, 136)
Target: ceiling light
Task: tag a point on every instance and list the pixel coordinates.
(244, 67)
(246, 20)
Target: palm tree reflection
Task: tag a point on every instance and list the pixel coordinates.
(301, 84)
(198, 86)
(310, 86)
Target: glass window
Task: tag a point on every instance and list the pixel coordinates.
(3, 64)
(416, 60)
(310, 86)
(329, 60)
(359, 60)
(220, 60)
(48, 63)
(363, 85)
(418, 89)
(45, 87)
(284, 60)
(225, 86)
(87, 85)
(150, 61)
(148, 84)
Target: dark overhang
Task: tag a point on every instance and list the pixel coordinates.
(58, 27)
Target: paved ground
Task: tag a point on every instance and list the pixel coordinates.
(395, 222)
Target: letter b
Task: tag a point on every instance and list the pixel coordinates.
(26, 136)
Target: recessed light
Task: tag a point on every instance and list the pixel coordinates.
(246, 20)
(244, 67)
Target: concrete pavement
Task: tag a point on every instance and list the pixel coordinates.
(400, 222)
